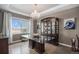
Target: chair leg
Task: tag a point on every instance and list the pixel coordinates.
(73, 46)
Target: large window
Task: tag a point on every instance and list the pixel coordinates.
(20, 26)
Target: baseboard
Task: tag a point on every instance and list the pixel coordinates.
(15, 42)
(65, 45)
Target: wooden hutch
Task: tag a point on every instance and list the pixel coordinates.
(50, 30)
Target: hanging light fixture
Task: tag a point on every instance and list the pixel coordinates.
(35, 14)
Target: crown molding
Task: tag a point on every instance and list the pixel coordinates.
(7, 8)
(45, 13)
(58, 8)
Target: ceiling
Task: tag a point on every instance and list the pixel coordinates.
(28, 8)
(43, 9)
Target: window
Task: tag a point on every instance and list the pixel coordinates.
(20, 26)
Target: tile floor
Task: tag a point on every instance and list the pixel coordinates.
(23, 48)
(19, 48)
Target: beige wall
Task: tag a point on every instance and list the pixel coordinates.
(65, 36)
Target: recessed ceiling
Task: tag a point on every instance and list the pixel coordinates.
(43, 9)
(28, 8)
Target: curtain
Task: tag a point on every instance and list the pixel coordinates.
(7, 26)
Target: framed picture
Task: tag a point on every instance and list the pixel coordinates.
(69, 23)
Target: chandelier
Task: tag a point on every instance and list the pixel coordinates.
(35, 14)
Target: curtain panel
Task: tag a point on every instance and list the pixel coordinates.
(7, 26)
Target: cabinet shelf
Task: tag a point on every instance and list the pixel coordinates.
(50, 28)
